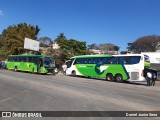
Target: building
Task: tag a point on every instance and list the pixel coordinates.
(55, 45)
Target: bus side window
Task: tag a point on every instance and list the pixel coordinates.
(92, 60)
(110, 60)
(10, 59)
(35, 59)
(126, 60)
(101, 60)
(29, 59)
(80, 61)
(14, 59)
(121, 60)
(23, 59)
(135, 59)
(76, 61)
(115, 61)
(89, 61)
(85, 61)
(105, 60)
(18, 59)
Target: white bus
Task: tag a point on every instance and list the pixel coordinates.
(134, 64)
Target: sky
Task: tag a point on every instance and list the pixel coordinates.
(94, 21)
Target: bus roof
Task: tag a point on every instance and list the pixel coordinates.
(129, 55)
(92, 56)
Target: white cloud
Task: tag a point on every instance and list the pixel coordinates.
(1, 13)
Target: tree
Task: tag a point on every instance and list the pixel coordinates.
(130, 46)
(13, 37)
(45, 41)
(108, 47)
(72, 47)
(60, 37)
(145, 44)
(116, 48)
(93, 46)
(103, 47)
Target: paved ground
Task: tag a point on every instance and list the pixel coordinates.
(31, 92)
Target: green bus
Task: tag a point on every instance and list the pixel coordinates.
(31, 63)
(97, 66)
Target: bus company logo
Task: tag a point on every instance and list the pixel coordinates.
(82, 66)
(6, 114)
(102, 68)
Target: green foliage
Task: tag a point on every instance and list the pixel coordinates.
(145, 44)
(60, 37)
(72, 47)
(68, 49)
(12, 38)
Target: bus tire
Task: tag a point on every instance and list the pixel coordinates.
(118, 78)
(15, 69)
(74, 73)
(109, 77)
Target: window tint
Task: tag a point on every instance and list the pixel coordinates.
(24, 59)
(82, 61)
(10, 58)
(100, 60)
(78, 61)
(15, 59)
(128, 59)
(89, 60)
(93, 60)
(134, 59)
(28, 59)
(35, 59)
(85, 61)
(18, 59)
(111, 60)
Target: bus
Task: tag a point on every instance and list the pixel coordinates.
(31, 63)
(134, 64)
(97, 66)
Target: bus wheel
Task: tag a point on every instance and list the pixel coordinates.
(15, 69)
(118, 78)
(109, 77)
(74, 73)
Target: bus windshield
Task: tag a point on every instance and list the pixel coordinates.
(48, 62)
(69, 62)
